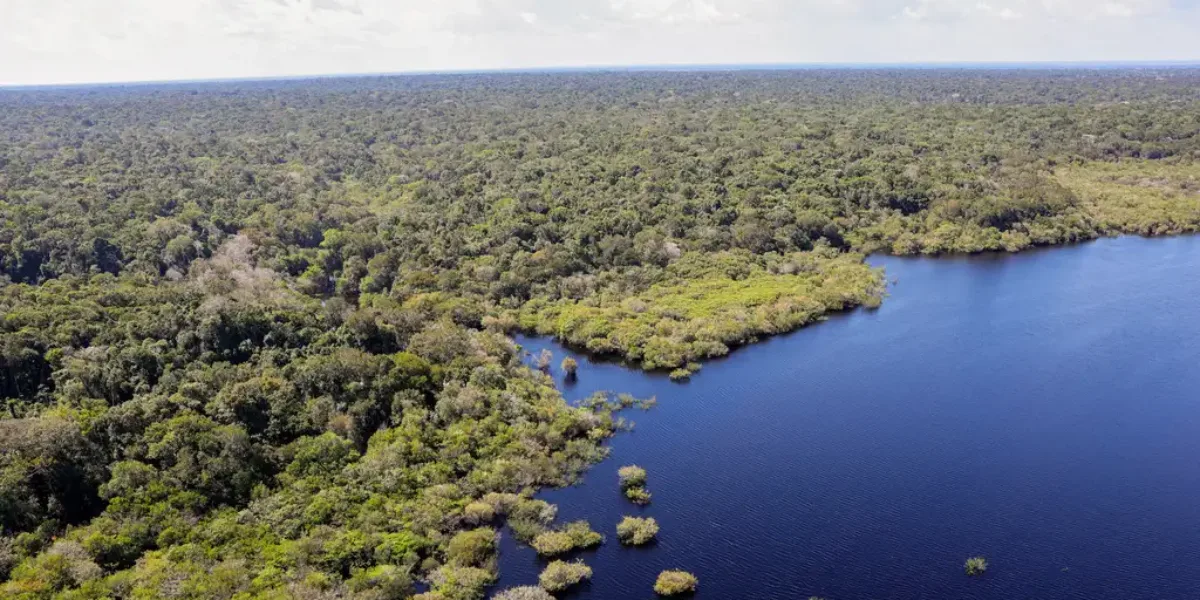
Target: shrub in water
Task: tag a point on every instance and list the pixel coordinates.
(635, 531)
(560, 575)
(976, 566)
(525, 592)
(572, 536)
(638, 495)
(632, 476)
(675, 583)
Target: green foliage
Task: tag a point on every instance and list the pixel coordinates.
(251, 336)
(570, 366)
(675, 583)
(572, 536)
(560, 575)
(1138, 196)
(701, 305)
(638, 495)
(635, 531)
(527, 592)
(471, 548)
(633, 482)
(631, 476)
(976, 566)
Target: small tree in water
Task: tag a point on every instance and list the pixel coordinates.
(559, 575)
(976, 566)
(632, 476)
(675, 583)
(526, 592)
(544, 358)
(634, 531)
(570, 366)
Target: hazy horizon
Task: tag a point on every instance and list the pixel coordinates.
(648, 68)
(62, 42)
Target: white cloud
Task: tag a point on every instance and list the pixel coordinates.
(47, 41)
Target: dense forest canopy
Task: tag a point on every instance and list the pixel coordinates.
(252, 334)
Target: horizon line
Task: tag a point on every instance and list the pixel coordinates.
(644, 68)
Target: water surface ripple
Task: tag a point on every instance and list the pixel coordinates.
(1040, 409)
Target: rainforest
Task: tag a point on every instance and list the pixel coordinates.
(256, 337)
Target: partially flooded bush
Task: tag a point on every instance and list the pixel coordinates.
(675, 583)
(638, 496)
(560, 575)
(976, 566)
(529, 517)
(632, 476)
(573, 536)
(525, 592)
(635, 531)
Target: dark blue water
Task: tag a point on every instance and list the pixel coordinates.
(1041, 410)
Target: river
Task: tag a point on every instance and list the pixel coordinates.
(1041, 410)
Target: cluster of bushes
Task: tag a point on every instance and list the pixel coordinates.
(635, 531)
(675, 583)
(573, 536)
(633, 483)
(560, 575)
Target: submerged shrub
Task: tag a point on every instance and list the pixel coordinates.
(572, 536)
(976, 566)
(674, 583)
(525, 592)
(638, 496)
(560, 575)
(570, 366)
(530, 517)
(632, 476)
(543, 359)
(635, 531)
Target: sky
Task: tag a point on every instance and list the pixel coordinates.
(86, 41)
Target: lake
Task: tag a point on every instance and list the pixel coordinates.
(1040, 409)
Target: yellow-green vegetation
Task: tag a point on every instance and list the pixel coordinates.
(576, 535)
(631, 476)
(570, 367)
(560, 575)
(976, 566)
(526, 592)
(635, 531)
(638, 495)
(633, 483)
(706, 303)
(1138, 196)
(675, 583)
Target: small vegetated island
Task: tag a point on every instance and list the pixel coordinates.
(253, 336)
